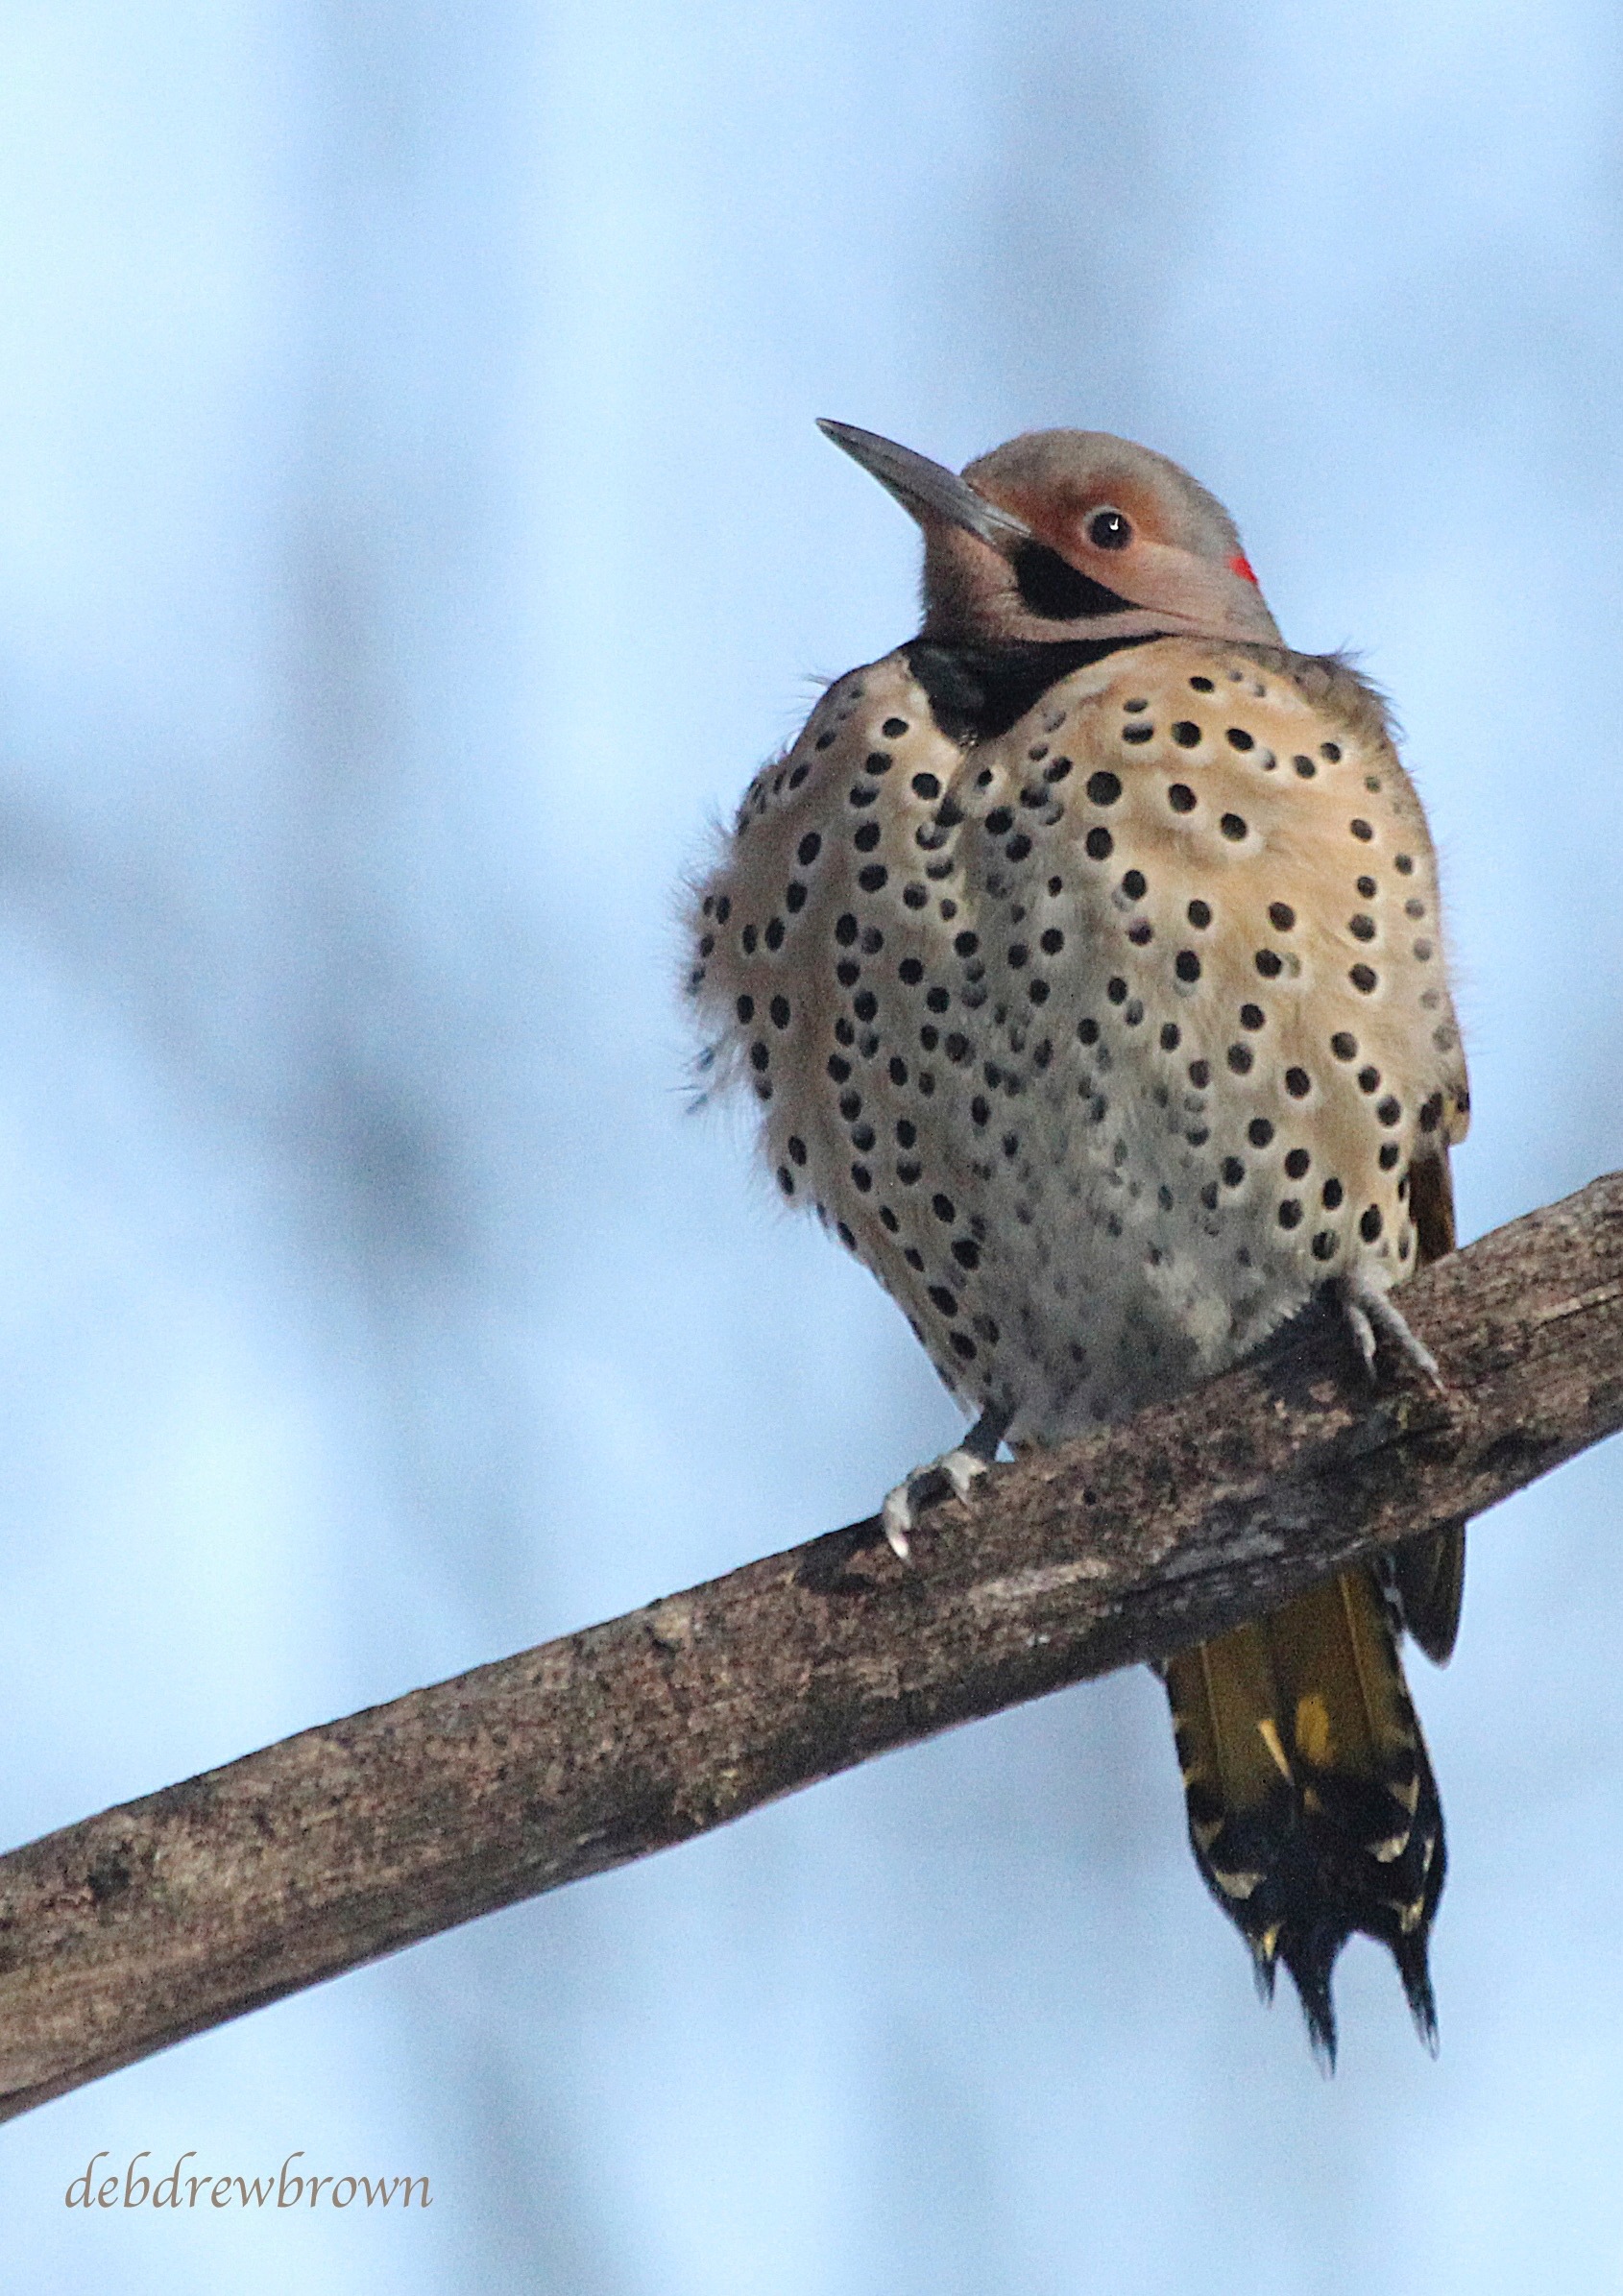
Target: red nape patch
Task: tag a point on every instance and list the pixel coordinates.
(1241, 565)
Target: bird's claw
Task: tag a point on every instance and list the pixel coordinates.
(1371, 1314)
(959, 1467)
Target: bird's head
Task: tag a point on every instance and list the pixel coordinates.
(1066, 534)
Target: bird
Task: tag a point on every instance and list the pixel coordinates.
(1083, 957)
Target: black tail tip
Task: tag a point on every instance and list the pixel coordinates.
(1311, 1959)
(1410, 1955)
(1262, 1970)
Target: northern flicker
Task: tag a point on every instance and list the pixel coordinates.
(1083, 957)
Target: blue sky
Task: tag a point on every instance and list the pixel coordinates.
(412, 535)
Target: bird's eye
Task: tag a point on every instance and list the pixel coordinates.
(1108, 530)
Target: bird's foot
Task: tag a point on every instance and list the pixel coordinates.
(1371, 1315)
(960, 1466)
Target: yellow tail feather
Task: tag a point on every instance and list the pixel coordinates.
(1311, 1807)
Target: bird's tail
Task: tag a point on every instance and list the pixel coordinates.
(1313, 1811)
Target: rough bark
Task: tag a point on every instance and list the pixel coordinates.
(154, 1921)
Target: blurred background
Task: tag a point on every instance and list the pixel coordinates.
(412, 536)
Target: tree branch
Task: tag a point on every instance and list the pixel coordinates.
(173, 1913)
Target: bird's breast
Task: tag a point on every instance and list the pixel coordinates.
(1105, 1042)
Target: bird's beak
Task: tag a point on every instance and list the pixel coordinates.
(925, 489)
